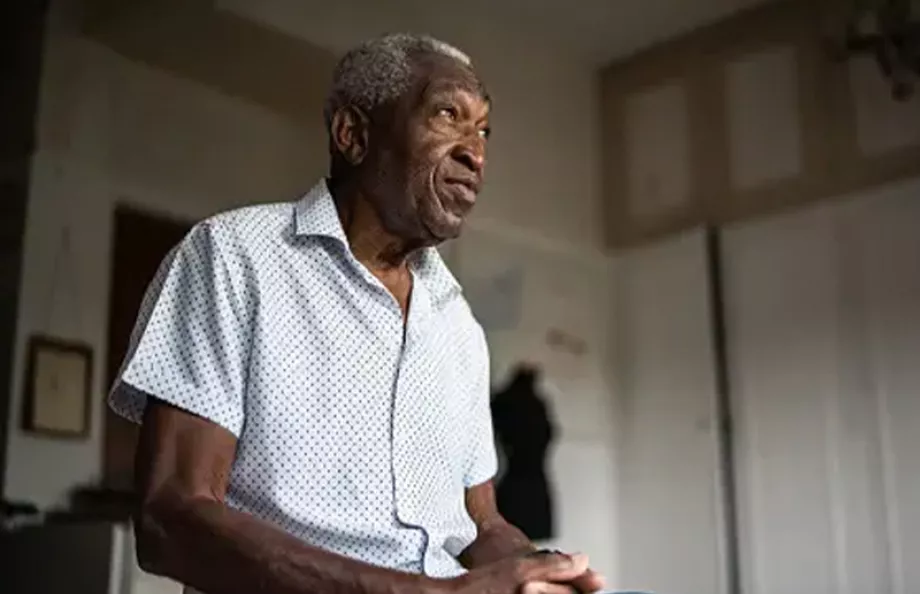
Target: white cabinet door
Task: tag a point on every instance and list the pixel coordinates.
(782, 322)
(823, 324)
(887, 231)
(669, 510)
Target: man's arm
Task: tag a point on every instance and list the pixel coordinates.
(497, 538)
(185, 532)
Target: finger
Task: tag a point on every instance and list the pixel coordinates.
(546, 588)
(553, 568)
(589, 581)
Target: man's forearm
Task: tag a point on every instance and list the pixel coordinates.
(495, 542)
(218, 550)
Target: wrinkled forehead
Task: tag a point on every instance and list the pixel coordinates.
(437, 73)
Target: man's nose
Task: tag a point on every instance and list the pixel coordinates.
(472, 155)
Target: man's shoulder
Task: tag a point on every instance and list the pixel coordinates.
(242, 233)
(239, 241)
(464, 315)
(465, 322)
(257, 221)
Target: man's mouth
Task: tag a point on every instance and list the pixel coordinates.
(465, 189)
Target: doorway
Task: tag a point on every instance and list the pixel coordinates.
(141, 241)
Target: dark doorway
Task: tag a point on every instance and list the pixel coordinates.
(141, 241)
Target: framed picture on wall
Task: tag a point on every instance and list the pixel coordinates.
(57, 388)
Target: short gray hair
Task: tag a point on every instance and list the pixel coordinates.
(380, 70)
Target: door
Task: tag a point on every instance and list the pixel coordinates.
(670, 502)
(141, 241)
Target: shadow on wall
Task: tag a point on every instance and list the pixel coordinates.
(525, 431)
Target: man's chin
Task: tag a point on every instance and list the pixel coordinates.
(444, 230)
(443, 220)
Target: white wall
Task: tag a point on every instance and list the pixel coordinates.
(569, 290)
(114, 131)
(824, 321)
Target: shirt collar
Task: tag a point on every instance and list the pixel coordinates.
(315, 215)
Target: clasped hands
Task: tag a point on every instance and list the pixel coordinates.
(540, 572)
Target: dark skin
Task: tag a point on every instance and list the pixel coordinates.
(403, 179)
(406, 176)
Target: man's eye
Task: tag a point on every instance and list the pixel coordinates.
(447, 112)
(485, 132)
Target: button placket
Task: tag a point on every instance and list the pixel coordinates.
(406, 448)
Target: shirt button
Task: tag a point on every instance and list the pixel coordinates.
(454, 546)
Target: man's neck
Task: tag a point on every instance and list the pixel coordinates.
(371, 244)
(384, 256)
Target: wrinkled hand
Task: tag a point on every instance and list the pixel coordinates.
(521, 575)
(587, 581)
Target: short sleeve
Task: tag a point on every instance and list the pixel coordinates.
(482, 458)
(190, 345)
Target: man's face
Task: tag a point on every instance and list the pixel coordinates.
(426, 154)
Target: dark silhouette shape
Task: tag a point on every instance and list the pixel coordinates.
(525, 431)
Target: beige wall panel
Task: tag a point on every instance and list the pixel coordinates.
(764, 127)
(657, 151)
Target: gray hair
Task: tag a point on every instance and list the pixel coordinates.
(380, 70)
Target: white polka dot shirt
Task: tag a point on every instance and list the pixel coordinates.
(357, 434)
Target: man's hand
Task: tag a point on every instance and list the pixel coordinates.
(530, 574)
(498, 540)
(588, 581)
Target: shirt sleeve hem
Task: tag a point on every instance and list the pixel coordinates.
(131, 403)
(474, 479)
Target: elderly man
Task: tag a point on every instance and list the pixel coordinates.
(313, 388)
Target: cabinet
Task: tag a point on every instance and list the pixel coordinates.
(824, 341)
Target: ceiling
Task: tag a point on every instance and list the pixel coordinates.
(596, 31)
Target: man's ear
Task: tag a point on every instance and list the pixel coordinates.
(350, 130)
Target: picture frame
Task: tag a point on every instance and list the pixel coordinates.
(58, 386)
